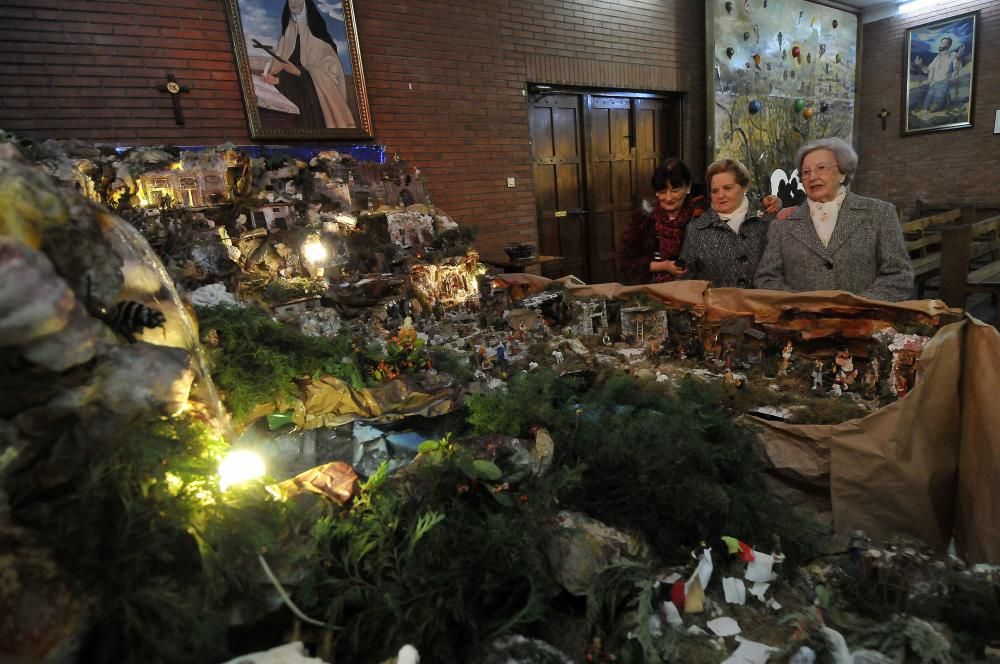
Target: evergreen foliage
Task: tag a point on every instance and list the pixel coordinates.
(259, 360)
(441, 565)
(671, 465)
(146, 536)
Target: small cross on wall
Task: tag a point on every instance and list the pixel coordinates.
(174, 89)
(883, 114)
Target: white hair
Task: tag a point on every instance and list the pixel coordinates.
(847, 158)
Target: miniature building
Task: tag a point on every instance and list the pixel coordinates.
(200, 187)
(589, 317)
(294, 308)
(451, 283)
(747, 342)
(640, 324)
(272, 216)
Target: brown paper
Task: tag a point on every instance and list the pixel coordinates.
(978, 510)
(925, 466)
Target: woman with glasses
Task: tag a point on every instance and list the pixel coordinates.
(652, 241)
(836, 240)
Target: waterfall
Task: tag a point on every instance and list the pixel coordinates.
(131, 245)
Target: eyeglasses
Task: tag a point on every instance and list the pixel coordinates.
(821, 170)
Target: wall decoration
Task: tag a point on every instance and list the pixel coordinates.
(783, 73)
(940, 70)
(300, 69)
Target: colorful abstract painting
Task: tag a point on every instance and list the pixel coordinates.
(783, 73)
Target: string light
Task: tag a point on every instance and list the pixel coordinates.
(240, 466)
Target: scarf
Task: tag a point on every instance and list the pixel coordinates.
(824, 216)
(670, 232)
(735, 218)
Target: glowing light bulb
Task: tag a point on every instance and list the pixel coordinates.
(314, 251)
(240, 466)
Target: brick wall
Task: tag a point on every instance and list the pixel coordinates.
(947, 168)
(445, 80)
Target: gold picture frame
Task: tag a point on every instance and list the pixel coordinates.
(939, 87)
(300, 69)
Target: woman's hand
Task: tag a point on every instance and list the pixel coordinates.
(772, 204)
(667, 266)
(269, 79)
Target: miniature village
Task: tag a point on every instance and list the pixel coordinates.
(438, 458)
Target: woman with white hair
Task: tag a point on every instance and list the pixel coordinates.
(836, 240)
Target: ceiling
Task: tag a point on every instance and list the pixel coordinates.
(864, 4)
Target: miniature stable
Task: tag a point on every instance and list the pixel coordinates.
(275, 403)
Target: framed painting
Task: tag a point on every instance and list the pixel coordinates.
(940, 74)
(300, 69)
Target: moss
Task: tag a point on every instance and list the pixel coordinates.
(259, 360)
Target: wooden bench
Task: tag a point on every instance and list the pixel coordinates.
(970, 259)
(924, 245)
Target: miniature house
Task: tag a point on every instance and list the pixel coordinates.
(589, 317)
(199, 187)
(293, 309)
(273, 216)
(641, 324)
(747, 342)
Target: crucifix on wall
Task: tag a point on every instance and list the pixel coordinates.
(883, 114)
(174, 89)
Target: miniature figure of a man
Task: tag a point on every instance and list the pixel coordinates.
(727, 355)
(902, 385)
(786, 358)
(817, 376)
(501, 355)
(871, 378)
(407, 333)
(844, 370)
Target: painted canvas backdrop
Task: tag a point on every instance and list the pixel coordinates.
(783, 72)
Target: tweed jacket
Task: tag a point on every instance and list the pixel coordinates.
(866, 256)
(714, 252)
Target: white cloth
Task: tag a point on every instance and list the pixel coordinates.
(824, 215)
(736, 218)
(945, 66)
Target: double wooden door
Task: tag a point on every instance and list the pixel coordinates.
(594, 155)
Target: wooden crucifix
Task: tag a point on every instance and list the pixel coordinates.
(175, 89)
(884, 113)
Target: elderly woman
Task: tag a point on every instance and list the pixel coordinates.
(836, 240)
(724, 245)
(652, 240)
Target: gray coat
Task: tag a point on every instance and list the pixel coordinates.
(715, 253)
(866, 256)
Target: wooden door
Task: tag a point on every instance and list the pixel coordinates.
(657, 138)
(556, 136)
(612, 180)
(594, 155)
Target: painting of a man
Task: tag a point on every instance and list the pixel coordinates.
(942, 71)
(940, 75)
(301, 67)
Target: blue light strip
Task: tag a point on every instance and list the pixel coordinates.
(374, 153)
